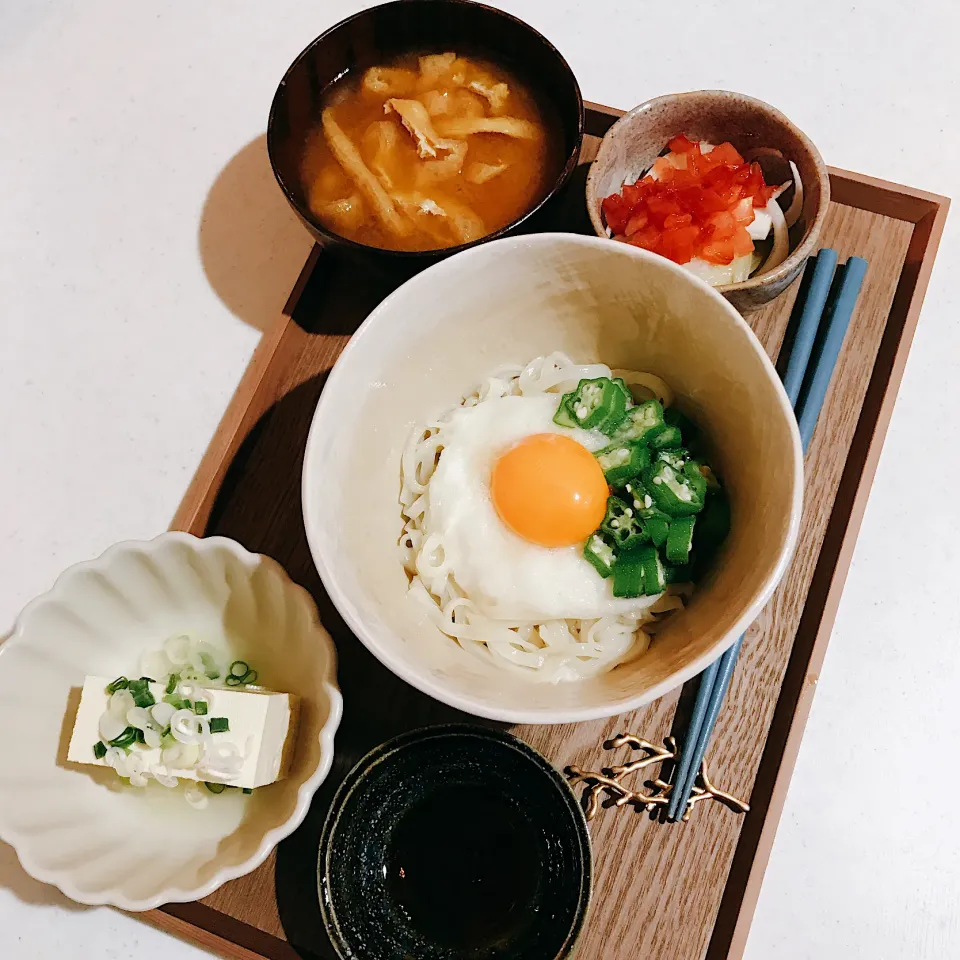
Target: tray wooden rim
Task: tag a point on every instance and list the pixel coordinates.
(927, 212)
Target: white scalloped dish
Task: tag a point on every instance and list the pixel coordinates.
(81, 828)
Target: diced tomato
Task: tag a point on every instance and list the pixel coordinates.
(616, 211)
(636, 223)
(680, 245)
(743, 211)
(680, 144)
(764, 196)
(682, 179)
(648, 238)
(726, 154)
(700, 208)
(663, 168)
(723, 225)
(631, 194)
(709, 201)
(661, 207)
(674, 220)
(742, 244)
(718, 251)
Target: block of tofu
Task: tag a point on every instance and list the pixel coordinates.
(263, 727)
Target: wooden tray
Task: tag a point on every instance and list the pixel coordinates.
(682, 892)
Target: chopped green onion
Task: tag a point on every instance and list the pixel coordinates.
(121, 683)
(215, 787)
(210, 666)
(140, 690)
(126, 739)
(219, 725)
(172, 683)
(248, 790)
(140, 736)
(240, 674)
(200, 708)
(99, 750)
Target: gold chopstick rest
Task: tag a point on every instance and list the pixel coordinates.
(609, 780)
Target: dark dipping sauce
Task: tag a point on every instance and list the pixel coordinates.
(463, 867)
(453, 843)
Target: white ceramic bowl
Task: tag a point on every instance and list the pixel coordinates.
(79, 827)
(435, 339)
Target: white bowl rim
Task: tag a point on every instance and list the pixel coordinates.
(305, 792)
(326, 564)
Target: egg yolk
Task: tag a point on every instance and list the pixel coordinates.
(549, 490)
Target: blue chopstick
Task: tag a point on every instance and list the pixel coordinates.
(826, 262)
(838, 314)
(807, 403)
(707, 679)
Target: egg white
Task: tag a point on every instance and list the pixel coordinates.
(505, 576)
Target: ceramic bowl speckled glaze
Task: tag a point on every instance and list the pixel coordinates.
(382, 33)
(440, 335)
(631, 145)
(454, 843)
(79, 827)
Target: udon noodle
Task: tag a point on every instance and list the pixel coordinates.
(551, 650)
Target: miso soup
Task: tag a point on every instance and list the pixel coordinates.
(428, 152)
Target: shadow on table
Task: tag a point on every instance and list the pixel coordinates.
(251, 243)
(15, 879)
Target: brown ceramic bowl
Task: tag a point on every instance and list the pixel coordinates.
(379, 35)
(635, 141)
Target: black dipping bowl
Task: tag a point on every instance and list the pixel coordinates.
(382, 33)
(454, 842)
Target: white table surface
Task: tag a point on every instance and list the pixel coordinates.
(144, 246)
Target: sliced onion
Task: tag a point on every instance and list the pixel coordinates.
(121, 702)
(155, 664)
(187, 689)
(138, 717)
(151, 738)
(187, 727)
(113, 756)
(178, 649)
(197, 796)
(111, 726)
(161, 713)
(781, 240)
(796, 207)
(221, 761)
(164, 777)
(651, 383)
(181, 756)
